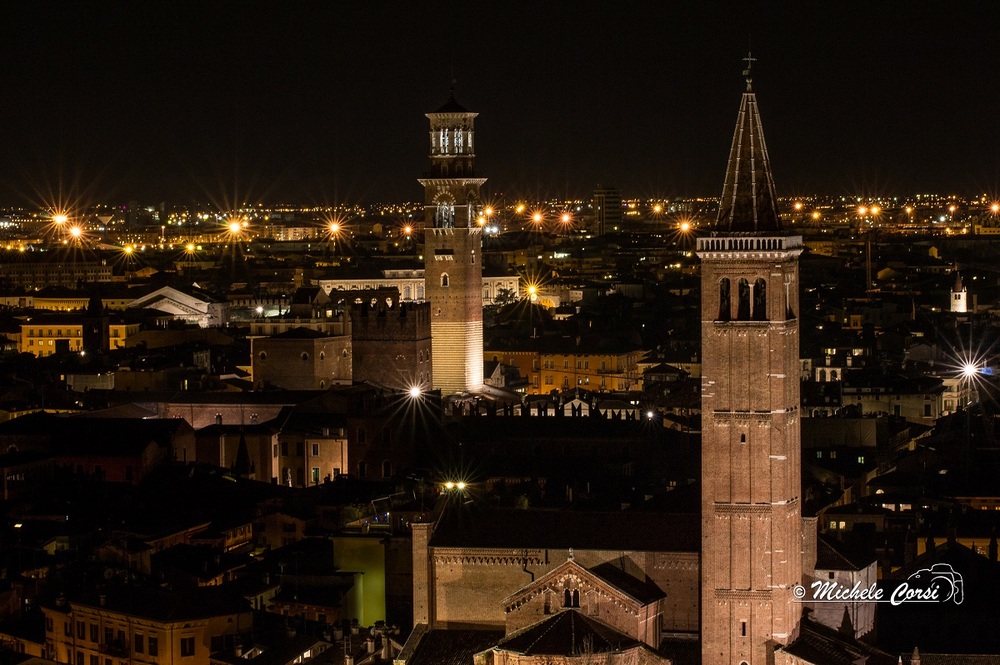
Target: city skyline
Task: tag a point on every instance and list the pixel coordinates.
(323, 103)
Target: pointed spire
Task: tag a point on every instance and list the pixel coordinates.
(749, 203)
(242, 466)
(846, 625)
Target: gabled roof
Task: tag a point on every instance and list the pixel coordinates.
(821, 645)
(606, 577)
(833, 555)
(567, 633)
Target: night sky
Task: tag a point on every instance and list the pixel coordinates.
(323, 102)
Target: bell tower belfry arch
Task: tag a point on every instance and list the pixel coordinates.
(453, 271)
(751, 554)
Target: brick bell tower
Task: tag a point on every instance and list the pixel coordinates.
(453, 270)
(751, 551)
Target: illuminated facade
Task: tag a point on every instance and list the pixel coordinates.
(151, 627)
(453, 270)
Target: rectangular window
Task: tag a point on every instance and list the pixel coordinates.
(315, 450)
(154, 646)
(187, 647)
(275, 453)
(315, 474)
(48, 624)
(94, 660)
(299, 449)
(79, 658)
(743, 628)
(138, 643)
(67, 631)
(109, 635)
(81, 630)
(284, 449)
(93, 632)
(927, 410)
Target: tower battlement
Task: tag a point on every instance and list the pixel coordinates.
(400, 322)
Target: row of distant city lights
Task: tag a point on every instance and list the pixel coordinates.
(874, 210)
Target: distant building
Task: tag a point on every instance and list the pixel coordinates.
(607, 204)
(152, 625)
(959, 296)
(47, 270)
(48, 334)
(453, 257)
(194, 307)
(301, 359)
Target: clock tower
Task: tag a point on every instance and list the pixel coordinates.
(751, 551)
(453, 270)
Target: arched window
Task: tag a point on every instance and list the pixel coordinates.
(567, 598)
(263, 355)
(760, 300)
(725, 309)
(322, 355)
(444, 279)
(743, 306)
(406, 292)
(833, 375)
(305, 356)
(322, 385)
(420, 292)
(822, 375)
(576, 598)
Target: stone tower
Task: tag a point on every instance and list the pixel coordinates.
(751, 553)
(453, 270)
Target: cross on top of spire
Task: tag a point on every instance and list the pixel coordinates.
(746, 72)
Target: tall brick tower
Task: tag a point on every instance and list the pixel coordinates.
(751, 552)
(453, 270)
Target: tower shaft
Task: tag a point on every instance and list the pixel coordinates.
(751, 556)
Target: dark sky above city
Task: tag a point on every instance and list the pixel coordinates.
(323, 102)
